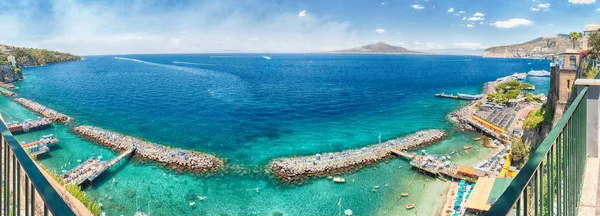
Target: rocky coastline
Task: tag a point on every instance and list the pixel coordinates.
(298, 168)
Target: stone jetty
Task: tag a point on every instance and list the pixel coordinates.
(297, 168)
(7, 85)
(43, 110)
(178, 159)
(7, 93)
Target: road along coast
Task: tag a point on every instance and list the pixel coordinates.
(297, 168)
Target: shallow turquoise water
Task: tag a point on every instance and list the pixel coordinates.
(250, 111)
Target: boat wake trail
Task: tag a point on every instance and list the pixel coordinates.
(219, 85)
(192, 63)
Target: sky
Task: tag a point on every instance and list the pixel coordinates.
(265, 26)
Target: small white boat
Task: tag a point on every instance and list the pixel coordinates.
(339, 180)
(376, 186)
(192, 203)
(201, 198)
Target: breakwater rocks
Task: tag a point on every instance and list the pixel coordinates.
(298, 168)
(43, 110)
(7, 93)
(178, 159)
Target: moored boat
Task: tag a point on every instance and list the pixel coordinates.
(410, 206)
(467, 147)
(339, 180)
(477, 138)
(404, 194)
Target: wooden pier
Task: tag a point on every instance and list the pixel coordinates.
(92, 169)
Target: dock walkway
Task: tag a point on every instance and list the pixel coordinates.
(92, 169)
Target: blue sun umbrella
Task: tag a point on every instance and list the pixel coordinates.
(454, 214)
(456, 203)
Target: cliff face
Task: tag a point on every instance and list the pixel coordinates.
(12, 59)
(542, 47)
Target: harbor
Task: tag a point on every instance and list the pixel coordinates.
(297, 168)
(43, 110)
(178, 159)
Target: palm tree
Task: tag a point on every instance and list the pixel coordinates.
(575, 36)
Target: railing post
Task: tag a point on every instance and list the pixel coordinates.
(592, 116)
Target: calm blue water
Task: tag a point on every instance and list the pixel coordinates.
(250, 110)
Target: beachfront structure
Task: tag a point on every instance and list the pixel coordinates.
(561, 176)
(26, 189)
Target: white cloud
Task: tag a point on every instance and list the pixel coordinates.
(400, 43)
(380, 30)
(476, 18)
(253, 39)
(470, 25)
(398, 33)
(582, 1)
(598, 9)
(418, 6)
(464, 18)
(478, 14)
(535, 9)
(450, 10)
(468, 45)
(481, 23)
(302, 13)
(542, 5)
(427, 46)
(514, 22)
(461, 12)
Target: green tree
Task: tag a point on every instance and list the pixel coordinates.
(594, 42)
(575, 36)
(520, 153)
(534, 119)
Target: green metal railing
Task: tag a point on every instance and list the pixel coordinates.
(550, 182)
(25, 191)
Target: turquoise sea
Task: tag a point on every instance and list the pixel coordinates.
(249, 110)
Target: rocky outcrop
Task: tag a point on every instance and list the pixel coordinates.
(378, 48)
(542, 47)
(12, 59)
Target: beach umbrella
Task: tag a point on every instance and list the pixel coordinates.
(456, 203)
(454, 214)
(462, 181)
(348, 212)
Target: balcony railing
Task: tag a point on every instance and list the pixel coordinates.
(550, 182)
(25, 191)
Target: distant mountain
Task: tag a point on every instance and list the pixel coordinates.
(455, 51)
(542, 47)
(379, 47)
